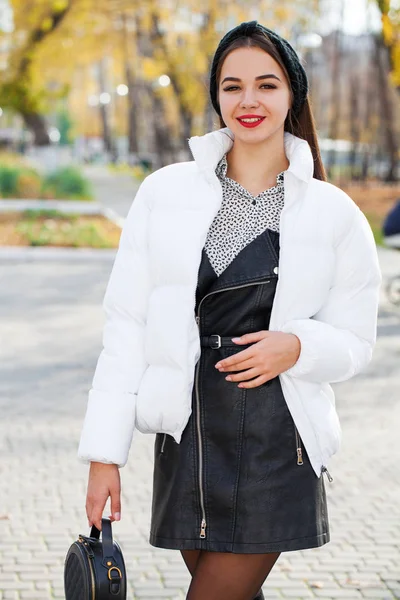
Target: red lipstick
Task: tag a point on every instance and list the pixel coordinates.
(254, 123)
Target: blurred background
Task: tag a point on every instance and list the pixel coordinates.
(125, 83)
(94, 95)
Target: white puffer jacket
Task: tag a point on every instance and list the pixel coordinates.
(327, 295)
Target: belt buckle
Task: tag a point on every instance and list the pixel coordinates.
(218, 342)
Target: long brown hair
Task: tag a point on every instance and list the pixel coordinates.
(302, 126)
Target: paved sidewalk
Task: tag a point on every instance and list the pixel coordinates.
(50, 327)
(115, 191)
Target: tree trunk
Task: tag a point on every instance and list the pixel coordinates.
(370, 98)
(162, 137)
(335, 101)
(104, 111)
(37, 125)
(133, 87)
(133, 103)
(187, 120)
(157, 38)
(355, 128)
(387, 113)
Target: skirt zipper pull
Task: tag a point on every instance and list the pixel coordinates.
(329, 476)
(299, 456)
(298, 448)
(203, 529)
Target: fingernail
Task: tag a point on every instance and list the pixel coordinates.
(117, 516)
(229, 378)
(217, 366)
(236, 339)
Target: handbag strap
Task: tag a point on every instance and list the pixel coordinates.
(106, 537)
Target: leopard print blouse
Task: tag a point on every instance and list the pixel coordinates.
(241, 218)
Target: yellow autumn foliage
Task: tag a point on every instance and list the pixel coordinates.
(390, 11)
(149, 37)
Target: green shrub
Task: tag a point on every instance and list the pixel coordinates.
(9, 181)
(22, 181)
(67, 182)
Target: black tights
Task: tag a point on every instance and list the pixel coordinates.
(226, 576)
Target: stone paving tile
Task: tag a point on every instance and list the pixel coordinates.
(51, 321)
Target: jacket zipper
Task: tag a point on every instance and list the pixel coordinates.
(299, 452)
(203, 524)
(163, 443)
(282, 230)
(325, 470)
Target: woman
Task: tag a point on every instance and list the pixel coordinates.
(244, 285)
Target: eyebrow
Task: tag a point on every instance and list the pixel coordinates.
(267, 76)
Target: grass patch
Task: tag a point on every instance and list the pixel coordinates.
(52, 228)
(376, 226)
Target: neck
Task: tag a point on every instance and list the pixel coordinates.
(256, 166)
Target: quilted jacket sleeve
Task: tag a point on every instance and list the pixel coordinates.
(110, 416)
(338, 341)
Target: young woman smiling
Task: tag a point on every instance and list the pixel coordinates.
(244, 285)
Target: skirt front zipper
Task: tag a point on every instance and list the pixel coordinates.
(203, 524)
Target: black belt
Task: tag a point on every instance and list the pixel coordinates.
(216, 341)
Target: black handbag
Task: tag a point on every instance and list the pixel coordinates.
(94, 569)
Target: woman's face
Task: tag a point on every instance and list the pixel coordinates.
(252, 84)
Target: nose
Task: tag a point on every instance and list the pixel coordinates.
(248, 99)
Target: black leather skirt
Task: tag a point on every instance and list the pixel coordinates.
(240, 480)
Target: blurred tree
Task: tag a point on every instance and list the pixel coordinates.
(389, 61)
(57, 44)
(390, 10)
(34, 22)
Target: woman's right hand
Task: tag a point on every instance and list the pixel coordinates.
(104, 481)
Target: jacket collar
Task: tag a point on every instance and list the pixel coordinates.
(208, 150)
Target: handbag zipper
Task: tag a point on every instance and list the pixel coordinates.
(83, 543)
(203, 524)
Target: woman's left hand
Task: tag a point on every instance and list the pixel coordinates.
(270, 353)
